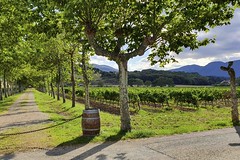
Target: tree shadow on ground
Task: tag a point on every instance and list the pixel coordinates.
(25, 123)
(69, 146)
(237, 128)
(65, 148)
(7, 156)
(40, 129)
(18, 113)
(27, 103)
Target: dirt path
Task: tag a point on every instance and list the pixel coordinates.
(21, 128)
(23, 112)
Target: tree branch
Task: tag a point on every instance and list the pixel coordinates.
(91, 33)
(142, 48)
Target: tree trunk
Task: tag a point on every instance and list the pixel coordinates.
(235, 114)
(58, 83)
(9, 89)
(63, 92)
(5, 84)
(44, 85)
(73, 82)
(231, 72)
(124, 108)
(86, 81)
(48, 88)
(62, 86)
(52, 90)
(19, 86)
(1, 98)
(58, 91)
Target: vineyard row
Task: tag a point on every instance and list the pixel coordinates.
(193, 96)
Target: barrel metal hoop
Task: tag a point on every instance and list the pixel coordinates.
(90, 118)
(91, 129)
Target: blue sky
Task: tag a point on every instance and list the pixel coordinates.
(226, 48)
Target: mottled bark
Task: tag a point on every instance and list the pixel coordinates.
(86, 81)
(73, 82)
(124, 107)
(234, 112)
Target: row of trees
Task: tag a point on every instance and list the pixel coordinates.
(48, 34)
(11, 59)
(36, 51)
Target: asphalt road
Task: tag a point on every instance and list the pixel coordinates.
(222, 144)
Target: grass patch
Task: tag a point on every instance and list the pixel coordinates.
(144, 124)
(65, 128)
(7, 102)
(24, 138)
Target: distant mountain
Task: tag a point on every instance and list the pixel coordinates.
(211, 69)
(104, 68)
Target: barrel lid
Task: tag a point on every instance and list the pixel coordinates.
(92, 110)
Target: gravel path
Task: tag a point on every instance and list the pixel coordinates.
(23, 112)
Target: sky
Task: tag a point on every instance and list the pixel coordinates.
(226, 48)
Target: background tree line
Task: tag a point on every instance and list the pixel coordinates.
(151, 77)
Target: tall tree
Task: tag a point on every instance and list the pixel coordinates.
(231, 72)
(86, 72)
(121, 30)
(70, 48)
(56, 56)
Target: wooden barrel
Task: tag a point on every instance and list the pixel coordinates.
(90, 122)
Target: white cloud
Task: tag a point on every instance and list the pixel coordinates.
(103, 61)
(139, 64)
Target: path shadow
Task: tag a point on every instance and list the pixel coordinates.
(7, 156)
(69, 146)
(18, 113)
(44, 128)
(28, 103)
(60, 150)
(237, 128)
(109, 141)
(25, 123)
